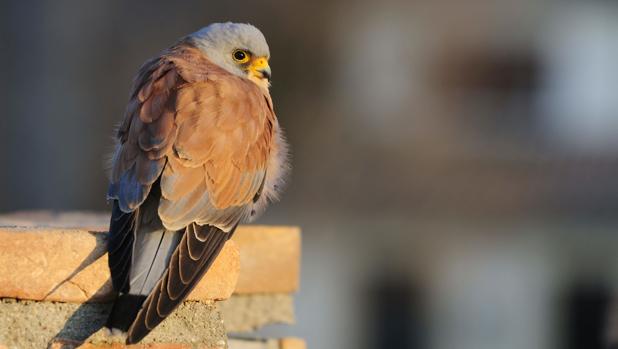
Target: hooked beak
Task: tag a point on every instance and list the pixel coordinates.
(266, 73)
(260, 69)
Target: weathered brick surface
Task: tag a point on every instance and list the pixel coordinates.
(284, 343)
(269, 259)
(69, 345)
(33, 324)
(61, 257)
(143, 346)
(292, 343)
(70, 265)
(248, 312)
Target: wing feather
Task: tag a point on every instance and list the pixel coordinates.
(120, 242)
(146, 134)
(179, 279)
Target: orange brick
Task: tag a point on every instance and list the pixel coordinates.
(292, 343)
(64, 344)
(70, 265)
(284, 343)
(40, 250)
(146, 346)
(269, 259)
(137, 346)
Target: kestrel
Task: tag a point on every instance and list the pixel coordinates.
(199, 151)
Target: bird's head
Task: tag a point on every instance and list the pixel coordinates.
(241, 49)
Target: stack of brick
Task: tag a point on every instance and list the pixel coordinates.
(55, 287)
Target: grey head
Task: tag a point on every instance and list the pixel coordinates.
(239, 48)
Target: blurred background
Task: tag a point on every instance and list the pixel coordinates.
(455, 162)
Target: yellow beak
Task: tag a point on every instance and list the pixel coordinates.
(260, 69)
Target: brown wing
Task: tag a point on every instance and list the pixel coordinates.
(143, 139)
(146, 135)
(205, 132)
(206, 135)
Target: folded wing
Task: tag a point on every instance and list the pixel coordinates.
(202, 137)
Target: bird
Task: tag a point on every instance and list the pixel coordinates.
(199, 151)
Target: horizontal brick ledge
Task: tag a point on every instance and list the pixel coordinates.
(33, 324)
(292, 343)
(284, 343)
(269, 259)
(71, 266)
(71, 345)
(61, 257)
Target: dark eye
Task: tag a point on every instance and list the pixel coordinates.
(240, 56)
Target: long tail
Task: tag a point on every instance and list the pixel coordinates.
(196, 252)
(139, 253)
(124, 311)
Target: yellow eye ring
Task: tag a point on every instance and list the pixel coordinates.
(241, 56)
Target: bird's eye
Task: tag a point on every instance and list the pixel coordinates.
(241, 56)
